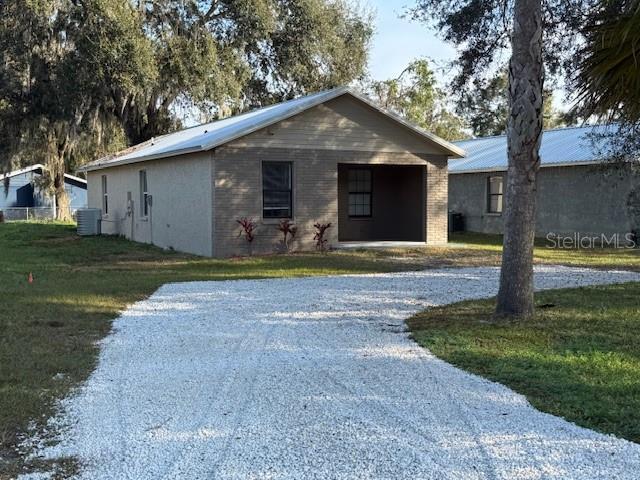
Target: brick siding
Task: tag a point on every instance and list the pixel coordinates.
(238, 193)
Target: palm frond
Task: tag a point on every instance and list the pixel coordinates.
(608, 78)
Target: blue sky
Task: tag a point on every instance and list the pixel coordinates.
(398, 41)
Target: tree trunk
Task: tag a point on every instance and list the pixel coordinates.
(56, 167)
(524, 129)
(63, 212)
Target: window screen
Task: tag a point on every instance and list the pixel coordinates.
(494, 195)
(360, 192)
(276, 190)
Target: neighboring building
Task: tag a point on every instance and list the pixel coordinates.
(578, 191)
(330, 157)
(24, 191)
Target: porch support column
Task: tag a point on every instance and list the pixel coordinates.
(437, 186)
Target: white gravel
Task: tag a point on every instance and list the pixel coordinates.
(316, 378)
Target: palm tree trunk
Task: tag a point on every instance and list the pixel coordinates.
(524, 129)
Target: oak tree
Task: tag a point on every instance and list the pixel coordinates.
(416, 96)
(85, 77)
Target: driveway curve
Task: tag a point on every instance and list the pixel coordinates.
(316, 378)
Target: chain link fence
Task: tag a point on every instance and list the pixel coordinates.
(32, 213)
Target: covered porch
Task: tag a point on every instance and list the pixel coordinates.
(379, 205)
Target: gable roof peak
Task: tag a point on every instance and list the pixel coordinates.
(210, 135)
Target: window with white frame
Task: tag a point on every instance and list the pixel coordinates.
(144, 194)
(494, 194)
(105, 196)
(359, 192)
(277, 190)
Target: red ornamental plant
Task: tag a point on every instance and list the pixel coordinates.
(321, 242)
(248, 227)
(288, 232)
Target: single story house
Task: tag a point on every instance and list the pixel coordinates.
(579, 191)
(331, 157)
(21, 193)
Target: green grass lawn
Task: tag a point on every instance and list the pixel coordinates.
(578, 358)
(610, 258)
(49, 329)
(475, 249)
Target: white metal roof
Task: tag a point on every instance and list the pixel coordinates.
(38, 166)
(561, 147)
(210, 135)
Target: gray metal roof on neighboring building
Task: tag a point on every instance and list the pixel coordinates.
(207, 136)
(563, 146)
(38, 168)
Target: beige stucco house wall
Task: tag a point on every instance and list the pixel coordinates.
(179, 216)
(197, 198)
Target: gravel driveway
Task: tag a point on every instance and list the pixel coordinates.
(316, 378)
